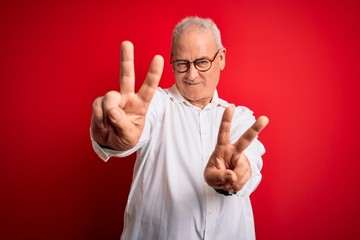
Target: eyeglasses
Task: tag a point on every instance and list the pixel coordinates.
(201, 64)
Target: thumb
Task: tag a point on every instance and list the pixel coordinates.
(219, 178)
(118, 119)
(229, 179)
(115, 115)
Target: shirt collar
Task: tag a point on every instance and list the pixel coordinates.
(175, 95)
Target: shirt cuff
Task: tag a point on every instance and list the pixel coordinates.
(99, 151)
(250, 186)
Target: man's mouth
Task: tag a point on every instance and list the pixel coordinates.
(188, 82)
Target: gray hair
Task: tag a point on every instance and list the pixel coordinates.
(206, 24)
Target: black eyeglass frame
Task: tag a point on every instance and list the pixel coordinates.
(188, 63)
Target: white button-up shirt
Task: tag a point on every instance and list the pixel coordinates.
(169, 198)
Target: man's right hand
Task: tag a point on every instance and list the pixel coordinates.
(118, 118)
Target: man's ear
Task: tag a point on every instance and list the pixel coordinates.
(222, 55)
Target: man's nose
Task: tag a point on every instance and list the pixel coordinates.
(192, 72)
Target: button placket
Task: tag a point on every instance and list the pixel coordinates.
(211, 214)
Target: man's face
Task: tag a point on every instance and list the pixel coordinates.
(196, 86)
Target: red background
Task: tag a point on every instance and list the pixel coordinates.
(294, 61)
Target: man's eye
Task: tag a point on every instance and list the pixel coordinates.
(202, 63)
(181, 64)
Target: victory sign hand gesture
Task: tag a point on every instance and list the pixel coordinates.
(118, 117)
(228, 168)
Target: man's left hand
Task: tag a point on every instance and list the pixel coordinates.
(228, 167)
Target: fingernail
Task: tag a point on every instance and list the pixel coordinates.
(227, 186)
(228, 178)
(100, 125)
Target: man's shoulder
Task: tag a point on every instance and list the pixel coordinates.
(238, 108)
(163, 91)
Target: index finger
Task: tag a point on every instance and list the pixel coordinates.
(127, 71)
(250, 134)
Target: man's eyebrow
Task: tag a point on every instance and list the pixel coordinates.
(202, 58)
(181, 60)
(185, 60)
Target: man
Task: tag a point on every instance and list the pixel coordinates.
(196, 161)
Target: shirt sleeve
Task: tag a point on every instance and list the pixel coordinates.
(243, 119)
